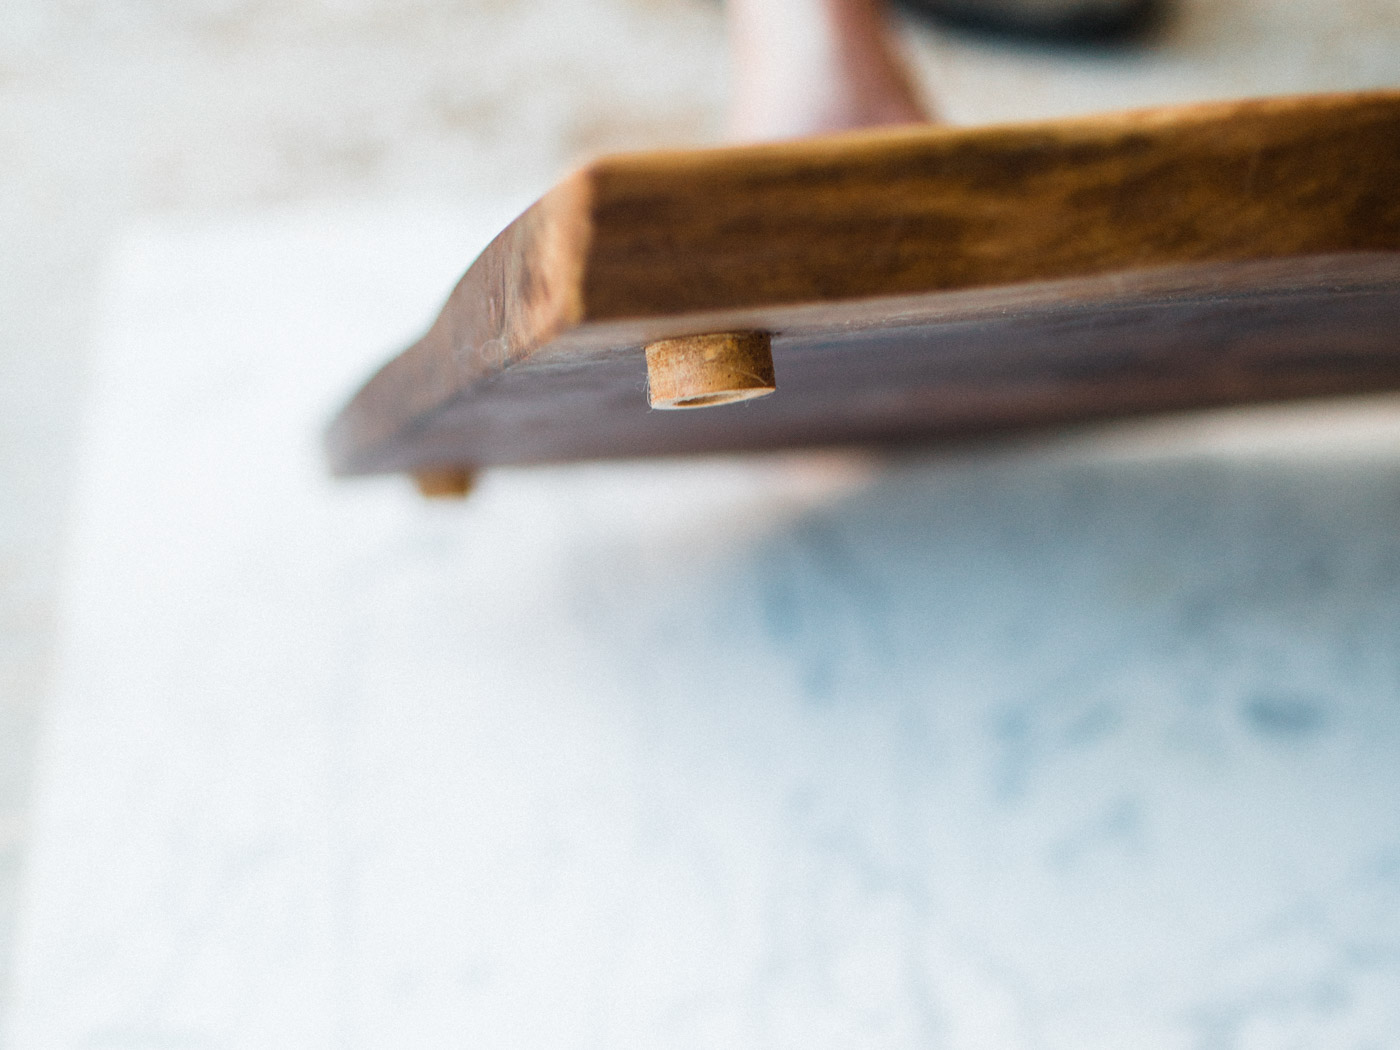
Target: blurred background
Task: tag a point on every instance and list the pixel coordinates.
(112, 111)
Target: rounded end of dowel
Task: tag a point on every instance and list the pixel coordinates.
(444, 482)
(701, 371)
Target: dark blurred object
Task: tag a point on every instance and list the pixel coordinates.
(1059, 21)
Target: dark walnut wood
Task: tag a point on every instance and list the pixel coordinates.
(920, 282)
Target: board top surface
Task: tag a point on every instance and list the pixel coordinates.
(920, 281)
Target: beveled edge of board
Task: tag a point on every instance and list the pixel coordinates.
(656, 244)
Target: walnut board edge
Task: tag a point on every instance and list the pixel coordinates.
(921, 281)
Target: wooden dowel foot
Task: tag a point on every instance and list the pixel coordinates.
(701, 371)
(444, 482)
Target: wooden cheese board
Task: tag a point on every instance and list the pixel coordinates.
(912, 283)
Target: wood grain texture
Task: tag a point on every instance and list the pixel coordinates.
(920, 282)
(702, 371)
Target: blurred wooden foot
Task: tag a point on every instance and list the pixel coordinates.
(444, 482)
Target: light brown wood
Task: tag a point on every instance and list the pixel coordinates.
(921, 282)
(444, 482)
(705, 371)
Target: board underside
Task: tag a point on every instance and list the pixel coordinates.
(920, 283)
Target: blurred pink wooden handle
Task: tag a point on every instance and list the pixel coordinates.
(804, 67)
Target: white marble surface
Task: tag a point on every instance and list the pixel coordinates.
(1079, 743)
